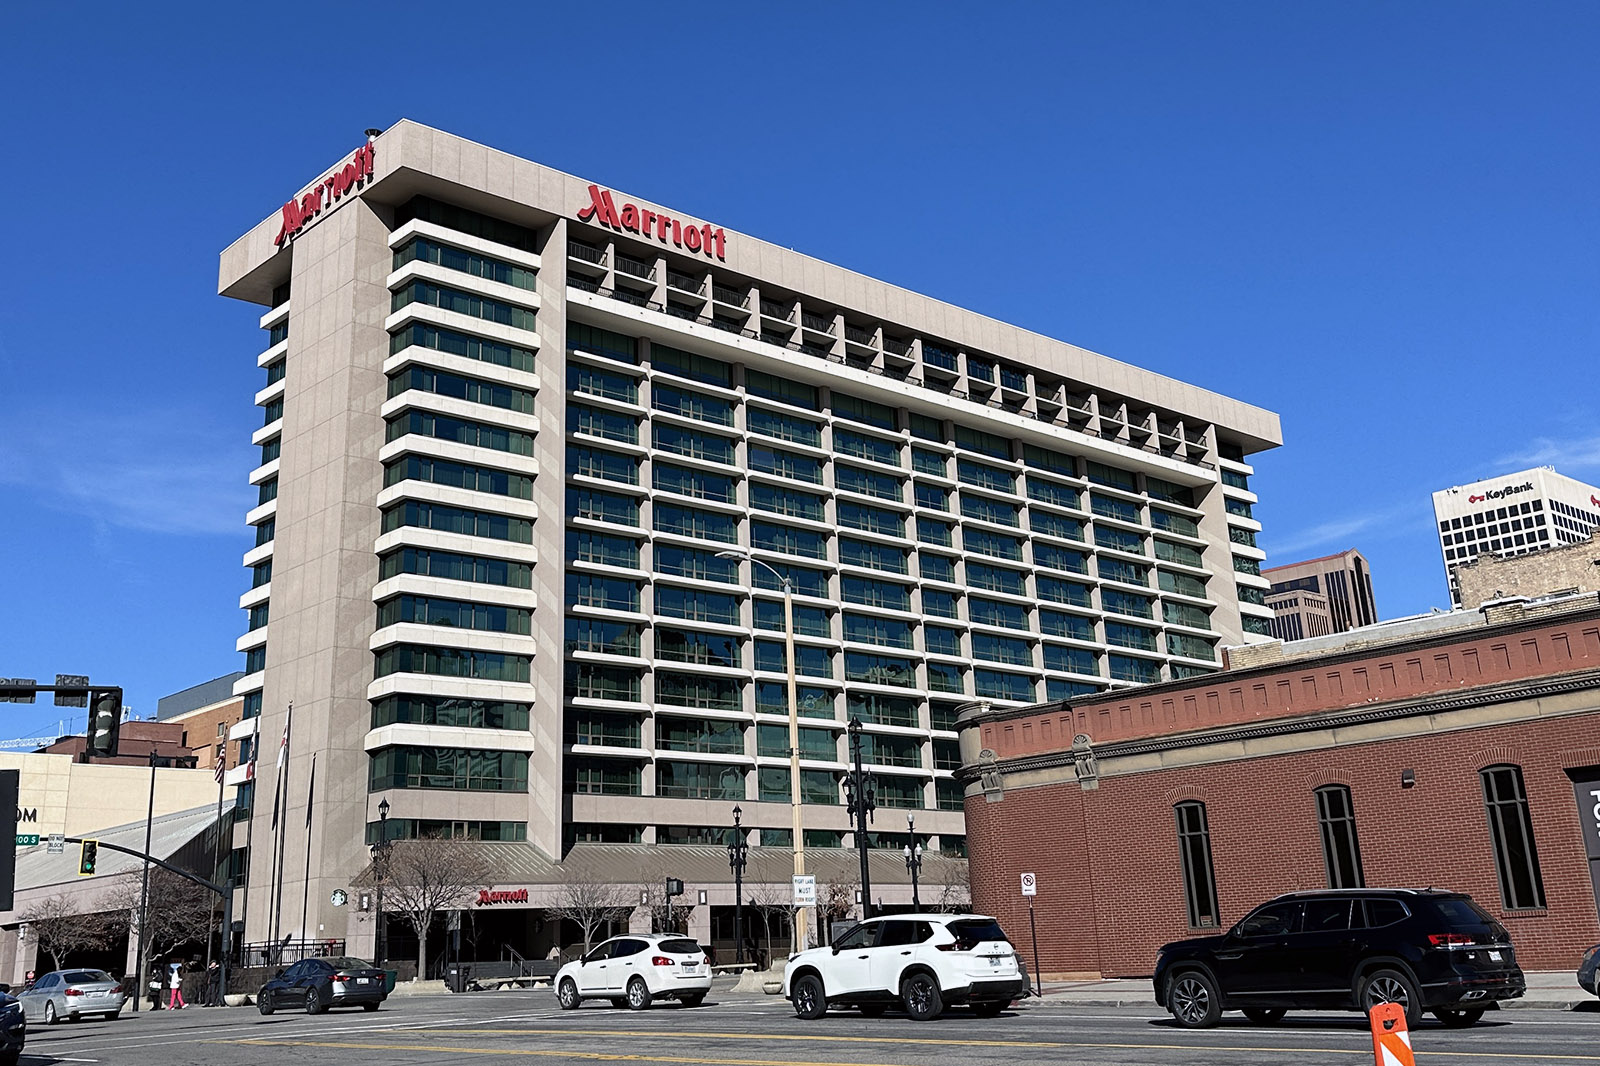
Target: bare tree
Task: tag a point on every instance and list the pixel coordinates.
(769, 904)
(421, 878)
(60, 930)
(179, 913)
(955, 894)
(590, 903)
(835, 902)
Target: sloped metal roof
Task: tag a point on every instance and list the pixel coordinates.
(170, 833)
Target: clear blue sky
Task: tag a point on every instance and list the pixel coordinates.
(1377, 219)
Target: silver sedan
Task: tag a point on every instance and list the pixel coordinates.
(72, 994)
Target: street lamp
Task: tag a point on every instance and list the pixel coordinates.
(380, 862)
(736, 859)
(799, 926)
(913, 851)
(860, 802)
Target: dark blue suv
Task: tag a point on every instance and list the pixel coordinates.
(1344, 950)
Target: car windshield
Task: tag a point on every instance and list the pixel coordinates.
(680, 947)
(977, 930)
(347, 962)
(84, 977)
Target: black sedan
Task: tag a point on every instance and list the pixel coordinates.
(1589, 971)
(314, 985)
(13, 1027)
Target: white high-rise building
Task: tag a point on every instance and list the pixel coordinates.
(514, 424)
(1512, 514)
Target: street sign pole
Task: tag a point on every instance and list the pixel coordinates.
(1030, 889)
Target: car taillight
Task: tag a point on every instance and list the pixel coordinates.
(341, 977)
(74, 991)
(1444, 940)
(660, 960)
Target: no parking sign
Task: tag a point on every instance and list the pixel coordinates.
(1030, 885)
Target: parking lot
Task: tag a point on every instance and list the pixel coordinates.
(753, 1030)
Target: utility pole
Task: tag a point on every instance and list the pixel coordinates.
(140, 965)
(737, 849)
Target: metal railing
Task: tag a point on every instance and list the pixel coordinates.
(636, 268)
(856, 335)
(731, 297)
(285, 951)
(587, 252)
(820, 323)
(774, 309)
(685, 283)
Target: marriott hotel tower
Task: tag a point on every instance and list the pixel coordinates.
(536, 456)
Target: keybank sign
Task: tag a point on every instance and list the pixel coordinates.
(1500, 494)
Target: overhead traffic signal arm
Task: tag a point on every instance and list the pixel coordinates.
(219, 889)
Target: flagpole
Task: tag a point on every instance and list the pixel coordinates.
(216, 851)
(305, 894)
(283, 826)
(249, 837)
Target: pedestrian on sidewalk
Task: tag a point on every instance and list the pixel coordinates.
(213, 997)
(175, 985)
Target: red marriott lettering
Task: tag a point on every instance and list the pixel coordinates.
(635, 219)
(354, 174)
(487, 898)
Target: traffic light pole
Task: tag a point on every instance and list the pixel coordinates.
(224, 890)
(144, 883)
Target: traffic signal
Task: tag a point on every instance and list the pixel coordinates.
(674, 887)
(86, 860)
(105, 722)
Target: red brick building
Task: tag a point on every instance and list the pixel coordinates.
(1454, 751)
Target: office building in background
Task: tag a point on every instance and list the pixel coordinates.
(1340, 587)
(1512, 514)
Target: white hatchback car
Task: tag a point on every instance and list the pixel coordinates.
(635, 970)
(924, 962)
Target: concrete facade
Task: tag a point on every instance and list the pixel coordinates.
(1408, 723)
(1300, 614)
(594, 674)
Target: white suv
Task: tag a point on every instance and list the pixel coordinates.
(924, 962)
(632, 971)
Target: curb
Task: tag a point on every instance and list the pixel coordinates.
(1093, 1000)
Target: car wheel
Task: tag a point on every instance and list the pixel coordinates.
(806, 995)
(921, 996)
(1265, 1015)
(989, 1010)
(1459, 1019)
(314, 1004)
(1392, 986)
(693, 999)
(1192, 998)
(567, 994)
(370, 1006)
(872, 1010)
(263, 1003)
(50, 1016)
(638, 994)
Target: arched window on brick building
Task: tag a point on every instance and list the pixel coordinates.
(1511, 830)
(1341, 851)
(1194, 852)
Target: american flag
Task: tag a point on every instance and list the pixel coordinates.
(222, 767)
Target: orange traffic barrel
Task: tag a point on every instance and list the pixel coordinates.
(1391, 1040)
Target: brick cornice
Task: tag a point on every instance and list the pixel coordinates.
(1505, 692)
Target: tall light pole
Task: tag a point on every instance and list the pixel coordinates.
(913, 851)
(860, 801)
(380, 857)
(737, 850)
(799, 926)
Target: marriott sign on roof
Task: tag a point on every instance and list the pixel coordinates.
(635, 219)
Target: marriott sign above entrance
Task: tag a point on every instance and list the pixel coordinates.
(602, 208)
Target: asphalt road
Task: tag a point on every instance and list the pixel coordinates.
(497, 1028)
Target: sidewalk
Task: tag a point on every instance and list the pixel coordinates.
(1548, 990)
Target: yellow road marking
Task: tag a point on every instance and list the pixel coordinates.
(688, 1060)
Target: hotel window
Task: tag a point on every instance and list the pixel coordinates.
(864, 411)
(1054, 494)
(598, 381)
(886, 632)
(867, 483)
(696, 483)
(985, 476)
(472, 390)
(1101, 474)
(932, 531)
(938, 640)
(996, 544)
(775, 538)
(450, 768)
(466, 303)
(689, 365)
(1237, 507)
(1341, 851)
(791, 502)
(808, 621)
(781, 389)
(607, 424)
(996, 579)
(937, 568)
(694, 405)
(808, 661)
(610, 507)
(1072, 660)
(941, 604)
(1194, 855)
(1045, 459)
(772, 697)
(428, 251)
(924, 461)
(451, 662)
(461, 431)
(1009, 650)
(1128, 668)
(986, 510)
(452, 343)
(1058, 624)
(695, 445)
(1052, 525)
(691, 522)
(999, 685)
(1074, 562)
(861, 446)
(785, 464)
(1511, 831)
(990, 444)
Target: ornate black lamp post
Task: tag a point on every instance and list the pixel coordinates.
(737, 849)
(380, 862)
(913, 851)
(860, 801)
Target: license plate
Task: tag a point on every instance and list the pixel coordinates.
(363, 980)
(1495, 955)
(995, 960)
(690, 965)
